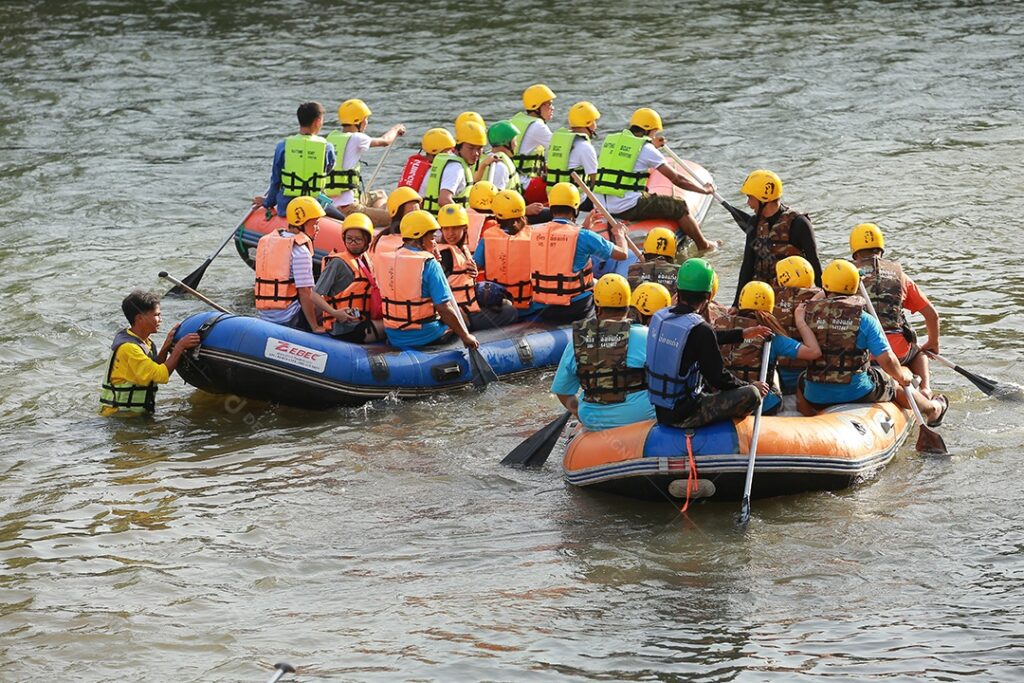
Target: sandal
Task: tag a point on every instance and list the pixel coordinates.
(937, 422)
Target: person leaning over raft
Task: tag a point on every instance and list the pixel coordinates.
(347, 282)
(683, 353)
(284, 271)
(301, 161)
(606, 360)
(774, 232)
(850, 337)
(135, 367)
(351, 142)
(419, 307)
(624, 166)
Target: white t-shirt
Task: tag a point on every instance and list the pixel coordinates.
(499, 175)
(423, 185)
(583, 155)
(453, 179)
(354, 150)
(650, 158)
(537, 133)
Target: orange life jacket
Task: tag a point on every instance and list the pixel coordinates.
(478, 222)
(552, 250)
(385, 243)
(275, 286)
(462, 283)
(357, 294)
(400, 278)
(507, 262)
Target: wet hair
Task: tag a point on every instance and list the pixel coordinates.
(564, 212)
(637, 130)
(139, 303)
(309, 112)
(692, 299)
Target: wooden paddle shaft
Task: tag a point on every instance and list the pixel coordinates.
(194, 293)
(607, 216)
(682, 164)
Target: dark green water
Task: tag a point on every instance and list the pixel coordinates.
(386, 544)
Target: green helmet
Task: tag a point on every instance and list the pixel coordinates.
(502, 133)
(696, 275)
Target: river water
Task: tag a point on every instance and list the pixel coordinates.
(386, 543)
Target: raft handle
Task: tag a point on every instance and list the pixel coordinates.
(524, 350)
(379, 367)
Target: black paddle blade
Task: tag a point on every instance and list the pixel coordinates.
(191, 280)
(744, 515)
(930, 441)
(483, 373)
(987, 386)
(534, 451)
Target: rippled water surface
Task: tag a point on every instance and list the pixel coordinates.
(386, 543)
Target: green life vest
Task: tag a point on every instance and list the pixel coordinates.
(304, 159)
(338, 180)
(125, 396)
(513, 173)
(558, 157)
(528, 163)
(431, 201)
(616, 163)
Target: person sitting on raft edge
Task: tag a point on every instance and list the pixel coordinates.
(136, 368)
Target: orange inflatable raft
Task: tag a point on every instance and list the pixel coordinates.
(836, 449)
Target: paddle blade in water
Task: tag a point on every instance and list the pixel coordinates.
(534, 451)
(190, 280)
(483, 373)
(930, 441)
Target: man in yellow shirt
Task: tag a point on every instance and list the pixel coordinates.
(135, 367)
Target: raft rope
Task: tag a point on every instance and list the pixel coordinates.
(691, 479)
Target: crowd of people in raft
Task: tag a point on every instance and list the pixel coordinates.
(470, 241)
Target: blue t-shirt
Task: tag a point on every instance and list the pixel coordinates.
(782, 347)
(435, 286)
(610, 265)
(598, 416)
(870, 337)
(275, 194)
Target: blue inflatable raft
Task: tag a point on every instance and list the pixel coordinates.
(256, 359)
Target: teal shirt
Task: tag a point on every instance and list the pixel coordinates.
(869, 337)
(598, 416)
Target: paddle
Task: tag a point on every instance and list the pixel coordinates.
(193, 278)
(742, 218)
(987, 386)
(483, 373)
(535, 450)
(928, 440)
(748, 483)
(376, 170)
(193, 292)
(282, 669)
(607, 216)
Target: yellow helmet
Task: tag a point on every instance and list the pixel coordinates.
(471, 132)
(612, 291)
(757, 296)
(469, 116)
(714, 285)
(762, 185)
(660, 241)
(352, 112)
(358, 221)
(840, 277)
(437, 140)
(536, 95)
(508, 204)
(402, 195)
(416, 224)
(651, 297)
(794, 271)
(481, 194)
(583, 115)
(866, 236)
(645, 118)
(301, 209)
(452, 216)
(564, 194)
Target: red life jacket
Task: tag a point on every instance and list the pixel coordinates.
(416, 168)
